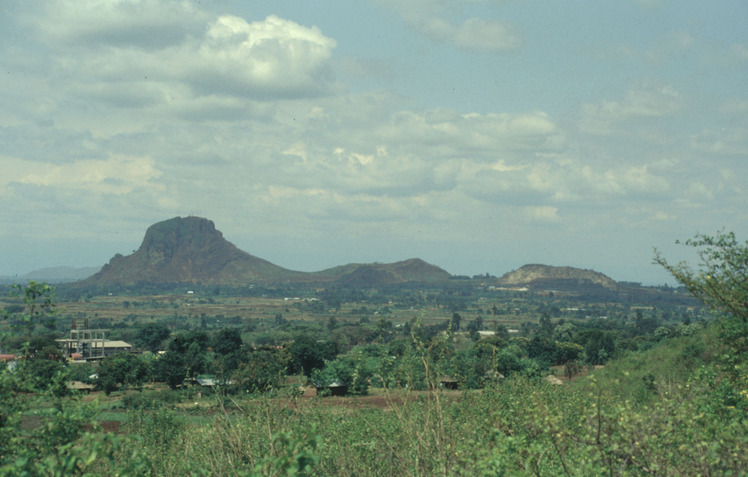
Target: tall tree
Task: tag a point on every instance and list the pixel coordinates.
(122, 369)
(721, 280)
(227, 341)
(151, 336)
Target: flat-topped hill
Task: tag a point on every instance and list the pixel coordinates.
(546, 276)
(191, 250)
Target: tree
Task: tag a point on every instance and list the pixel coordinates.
(170, 369)
(122, 369)
(151, 336)
(546, 326)
(226, 341)
(259, 370)
(183, 340)
(351, 370)
(40, 374)
(600, 347)
(721, 281)
(306, 355)
(39, 301)
(567, 351)
(563, 332)
(195, 360)
(454, 324)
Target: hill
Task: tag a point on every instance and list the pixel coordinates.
(61, 274)
(187, 250)
(550, 277)
(372, 275)
(191, 250)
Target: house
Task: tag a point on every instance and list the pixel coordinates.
(336, 388)
(448, 382)
(86, 344)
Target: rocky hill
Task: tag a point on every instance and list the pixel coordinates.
(546, 276)
(191, 250)
(187, 250)
(372, 275)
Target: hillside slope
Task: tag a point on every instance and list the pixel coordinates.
(188, 250)
(191, 250)
(544, 276)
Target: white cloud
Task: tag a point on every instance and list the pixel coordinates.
(432, 19)
(639, 103)
(116, 23)
(700, 190)
(473, 33)
(731, 141)
(274, 56)
(115, 175)
(541, 214)
(121, 113)
(170, 55)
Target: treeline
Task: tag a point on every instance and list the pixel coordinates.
(354, 355)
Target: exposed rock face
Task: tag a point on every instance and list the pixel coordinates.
(188, 250)
(533, 274)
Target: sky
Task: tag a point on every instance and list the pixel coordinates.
(476, 135)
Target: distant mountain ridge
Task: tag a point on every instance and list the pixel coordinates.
(191, 250)
(60, 274)
(544, 276)
(413, 270)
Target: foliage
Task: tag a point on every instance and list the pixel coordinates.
(353, 371)
(39, 310)
(170, 368)
(679, 408)
(122, 369)
(721, 281)
(307, 354)
(600, 347)
(151, 336)
(39, 374)
(226, 341)
(259, 370)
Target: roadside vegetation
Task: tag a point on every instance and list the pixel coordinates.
(448, 381)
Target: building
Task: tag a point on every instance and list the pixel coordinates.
(85, 344)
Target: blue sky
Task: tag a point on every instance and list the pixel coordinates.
(476, 135)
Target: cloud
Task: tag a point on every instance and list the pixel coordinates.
(729, 141)
(274, 57)
(431, 19)
(169, 54)
(473, 33)
(638, 104)
(141, 24)
(116, 175)
(541, 214)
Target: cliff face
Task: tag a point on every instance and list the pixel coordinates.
(531, 274)
(188, 250)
